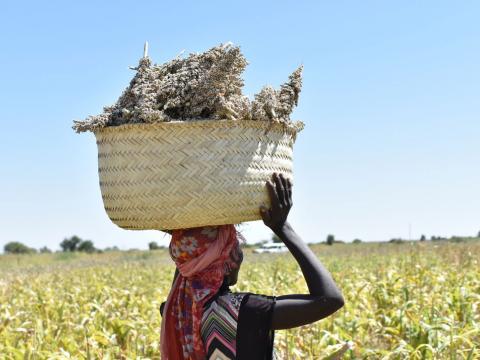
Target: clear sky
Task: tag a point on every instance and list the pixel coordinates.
(390, 102)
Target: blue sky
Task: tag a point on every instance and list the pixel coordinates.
(390, 102)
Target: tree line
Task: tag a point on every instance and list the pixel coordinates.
(72, 244)
(76, 244)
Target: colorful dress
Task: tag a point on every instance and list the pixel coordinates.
(238, 326)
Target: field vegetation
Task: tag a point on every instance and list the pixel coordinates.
(403, 301)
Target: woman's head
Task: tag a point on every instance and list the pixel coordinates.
(188, 244)
(203, 256)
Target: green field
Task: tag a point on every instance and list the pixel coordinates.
(411, 300)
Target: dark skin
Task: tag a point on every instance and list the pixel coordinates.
(324, 297)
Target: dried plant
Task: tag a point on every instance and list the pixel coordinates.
(277, 105)
(201, 86)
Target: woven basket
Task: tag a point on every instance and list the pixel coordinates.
(173, 175)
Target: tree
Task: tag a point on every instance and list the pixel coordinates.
(153, 246)
(70, 244)
(15, 247)
(478, 235)
(357, 241)
(45, 250)
(423, 238)
(276, 239)
(113, 248)
(330, 239)
(77, 244)
(86, 246)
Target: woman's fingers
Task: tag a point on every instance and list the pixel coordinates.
(280, 192)
(285, 190)
(283, 180)
(265, 214)
(280, 189)
(289, 191)
(273, 195)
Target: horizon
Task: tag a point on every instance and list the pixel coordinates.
(432, 238)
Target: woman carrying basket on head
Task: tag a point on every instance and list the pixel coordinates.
(203, 319)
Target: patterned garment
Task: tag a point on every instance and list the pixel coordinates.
(203, 257)
(219, 326)
(237, 326)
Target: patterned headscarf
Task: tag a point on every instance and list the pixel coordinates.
(203, 257)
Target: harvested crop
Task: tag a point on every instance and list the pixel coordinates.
(201, 86)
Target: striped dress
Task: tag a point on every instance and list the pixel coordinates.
(236, 326)
(219, 326)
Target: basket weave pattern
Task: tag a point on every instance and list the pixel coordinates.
(175, 175)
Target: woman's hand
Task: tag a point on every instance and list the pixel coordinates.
(280, 192)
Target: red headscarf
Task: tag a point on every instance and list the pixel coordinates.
(202, 256)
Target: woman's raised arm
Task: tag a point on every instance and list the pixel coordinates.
(325, 298)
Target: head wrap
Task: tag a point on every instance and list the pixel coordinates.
(202, 256)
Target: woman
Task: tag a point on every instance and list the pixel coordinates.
(202, 319)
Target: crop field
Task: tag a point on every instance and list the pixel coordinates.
(403, 301)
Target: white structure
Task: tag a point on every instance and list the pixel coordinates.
(271, 248)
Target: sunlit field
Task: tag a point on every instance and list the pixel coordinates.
(418, 301)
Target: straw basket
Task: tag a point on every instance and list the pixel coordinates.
(187, 174)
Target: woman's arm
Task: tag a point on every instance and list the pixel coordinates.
(324, 298)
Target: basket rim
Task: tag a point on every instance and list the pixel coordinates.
(292, 127)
